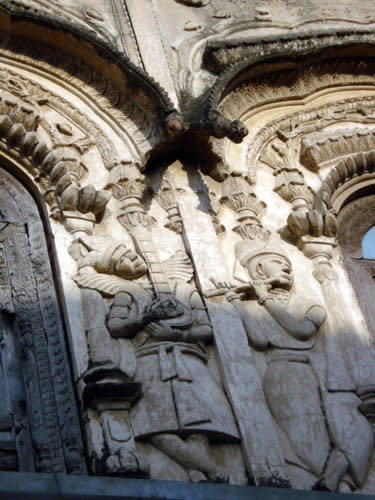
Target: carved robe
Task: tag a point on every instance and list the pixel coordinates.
(179, 394)
(299, 401)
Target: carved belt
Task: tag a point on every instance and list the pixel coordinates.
(290, 356)
(172, 363)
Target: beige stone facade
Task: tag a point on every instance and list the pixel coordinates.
(185, 187)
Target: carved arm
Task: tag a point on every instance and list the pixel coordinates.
(124, 319)
(301, 329)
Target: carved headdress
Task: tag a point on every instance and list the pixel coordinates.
(250, 253)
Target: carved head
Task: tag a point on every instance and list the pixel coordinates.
(127, 264)
(116, 258)
(265, 263)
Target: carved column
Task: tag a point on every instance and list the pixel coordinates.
(316, 233)
(262, 452)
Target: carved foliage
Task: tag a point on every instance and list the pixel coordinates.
(127, 185)
(237, 194)
(52, 172)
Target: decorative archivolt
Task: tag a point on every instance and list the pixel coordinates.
(58, 182)
(130, 110)
(296, 84)
(346, 177)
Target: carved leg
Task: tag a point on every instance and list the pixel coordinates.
(335, 469)
(190, 454)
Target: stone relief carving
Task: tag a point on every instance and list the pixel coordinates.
(287, 334)
(129, 114)
(40, 430)
(59, 185)
(290, 185)
(238, 195)
(162, 324)
(168, 331)
(317, 151)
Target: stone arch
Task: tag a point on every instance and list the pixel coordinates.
(238, 62)
(345, 180)
(18, 25)
(45, 426)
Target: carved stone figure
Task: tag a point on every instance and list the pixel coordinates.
(182, 406)
(316, 427)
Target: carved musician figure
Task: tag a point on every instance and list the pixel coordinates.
(285, 325)
(182, 407)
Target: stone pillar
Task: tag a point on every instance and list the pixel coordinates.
(262, 452)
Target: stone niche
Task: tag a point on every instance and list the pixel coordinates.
(216, 326)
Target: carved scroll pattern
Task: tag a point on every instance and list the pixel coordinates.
(33, 318)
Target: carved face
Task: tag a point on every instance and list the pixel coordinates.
(276, 271)
(129, 265)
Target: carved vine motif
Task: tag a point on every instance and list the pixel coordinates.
(47, 163)
(59, 363)
(55, 437)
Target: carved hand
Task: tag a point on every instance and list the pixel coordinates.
(160, 330)
(164, 310)
(262, 287)
(223, 287)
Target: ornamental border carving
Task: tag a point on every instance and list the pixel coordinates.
(356, 166)
(119, 105)
(230, 59)
(54, 423)
(139, 77)
(47, 170)
(290, 124)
